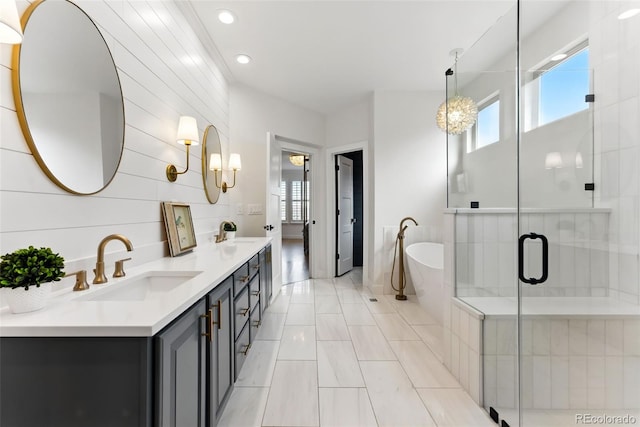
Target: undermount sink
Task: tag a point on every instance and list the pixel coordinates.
(146, 286)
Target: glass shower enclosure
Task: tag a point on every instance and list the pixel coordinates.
(544, 214)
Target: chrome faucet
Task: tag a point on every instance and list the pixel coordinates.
(99, 270)
(222, 235)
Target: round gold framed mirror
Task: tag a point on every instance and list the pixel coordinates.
(210, 145)
(68, 97)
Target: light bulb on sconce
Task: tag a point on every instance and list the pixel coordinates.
(10, 27)
(187, 135)
(215, 164)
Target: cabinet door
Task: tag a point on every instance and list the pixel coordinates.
(221, 348)
(180, 353)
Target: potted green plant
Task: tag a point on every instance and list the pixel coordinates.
(26, 276)
(230, 229)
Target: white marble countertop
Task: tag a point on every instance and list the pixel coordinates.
(68, 315)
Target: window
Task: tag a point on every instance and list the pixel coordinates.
(486, 130)
(296, 200)
(293, 203)
(283, 200)
(558, 88)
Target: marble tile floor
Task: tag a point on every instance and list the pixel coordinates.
(328, 356)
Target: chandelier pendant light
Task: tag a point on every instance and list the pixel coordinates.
(458, 113)
(296, 159)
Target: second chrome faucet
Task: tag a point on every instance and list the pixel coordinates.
(99, 270)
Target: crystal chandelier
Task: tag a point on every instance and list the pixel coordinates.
(458, 113)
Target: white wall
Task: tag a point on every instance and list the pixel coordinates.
(350, 124)
(252, 115)
(148, 41)
(351, 129)
(409, 172)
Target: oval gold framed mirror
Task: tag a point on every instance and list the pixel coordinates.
(68, 97)
(210, 145)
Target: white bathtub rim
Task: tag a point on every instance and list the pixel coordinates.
(412, 249)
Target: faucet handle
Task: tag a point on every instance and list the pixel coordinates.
(120, 268)
(81, 280)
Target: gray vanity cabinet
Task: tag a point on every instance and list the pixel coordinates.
(246, 304)
(181, 371)
(180, 377)
(220, 355)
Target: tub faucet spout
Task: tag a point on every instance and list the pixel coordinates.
(404, 227)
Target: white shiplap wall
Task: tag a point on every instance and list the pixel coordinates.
(150, 42)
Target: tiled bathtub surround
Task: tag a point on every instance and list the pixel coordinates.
(486, 251)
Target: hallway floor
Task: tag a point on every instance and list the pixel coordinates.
(328, 356)
(295, 265)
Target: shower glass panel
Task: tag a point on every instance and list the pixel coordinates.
(483, 205)
(578, 356)
(545, 213)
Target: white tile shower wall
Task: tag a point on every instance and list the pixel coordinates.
(486, 252)
(566, 363)
(149, 42)
(614, 53)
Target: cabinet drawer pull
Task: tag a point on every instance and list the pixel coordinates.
(246, 350)
(244, 279)
(255, 293)
(257, 323)
(256, 267)
(244, 311)
(209, 328)
(219, 322)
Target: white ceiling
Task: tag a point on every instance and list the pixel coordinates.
(326, 55)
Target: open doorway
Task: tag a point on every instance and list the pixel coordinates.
(294, 212)
(349, 181)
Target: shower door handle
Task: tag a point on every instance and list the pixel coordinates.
(545, 258)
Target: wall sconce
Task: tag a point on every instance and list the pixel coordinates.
(10, 28)
(187, 135)
(215, 164)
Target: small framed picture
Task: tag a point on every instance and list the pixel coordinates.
(179, 226)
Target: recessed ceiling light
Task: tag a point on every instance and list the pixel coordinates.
(243, 59)
(226, 16)
(558, 57)
(628, 14)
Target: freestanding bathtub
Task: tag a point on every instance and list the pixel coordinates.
(426, 261)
